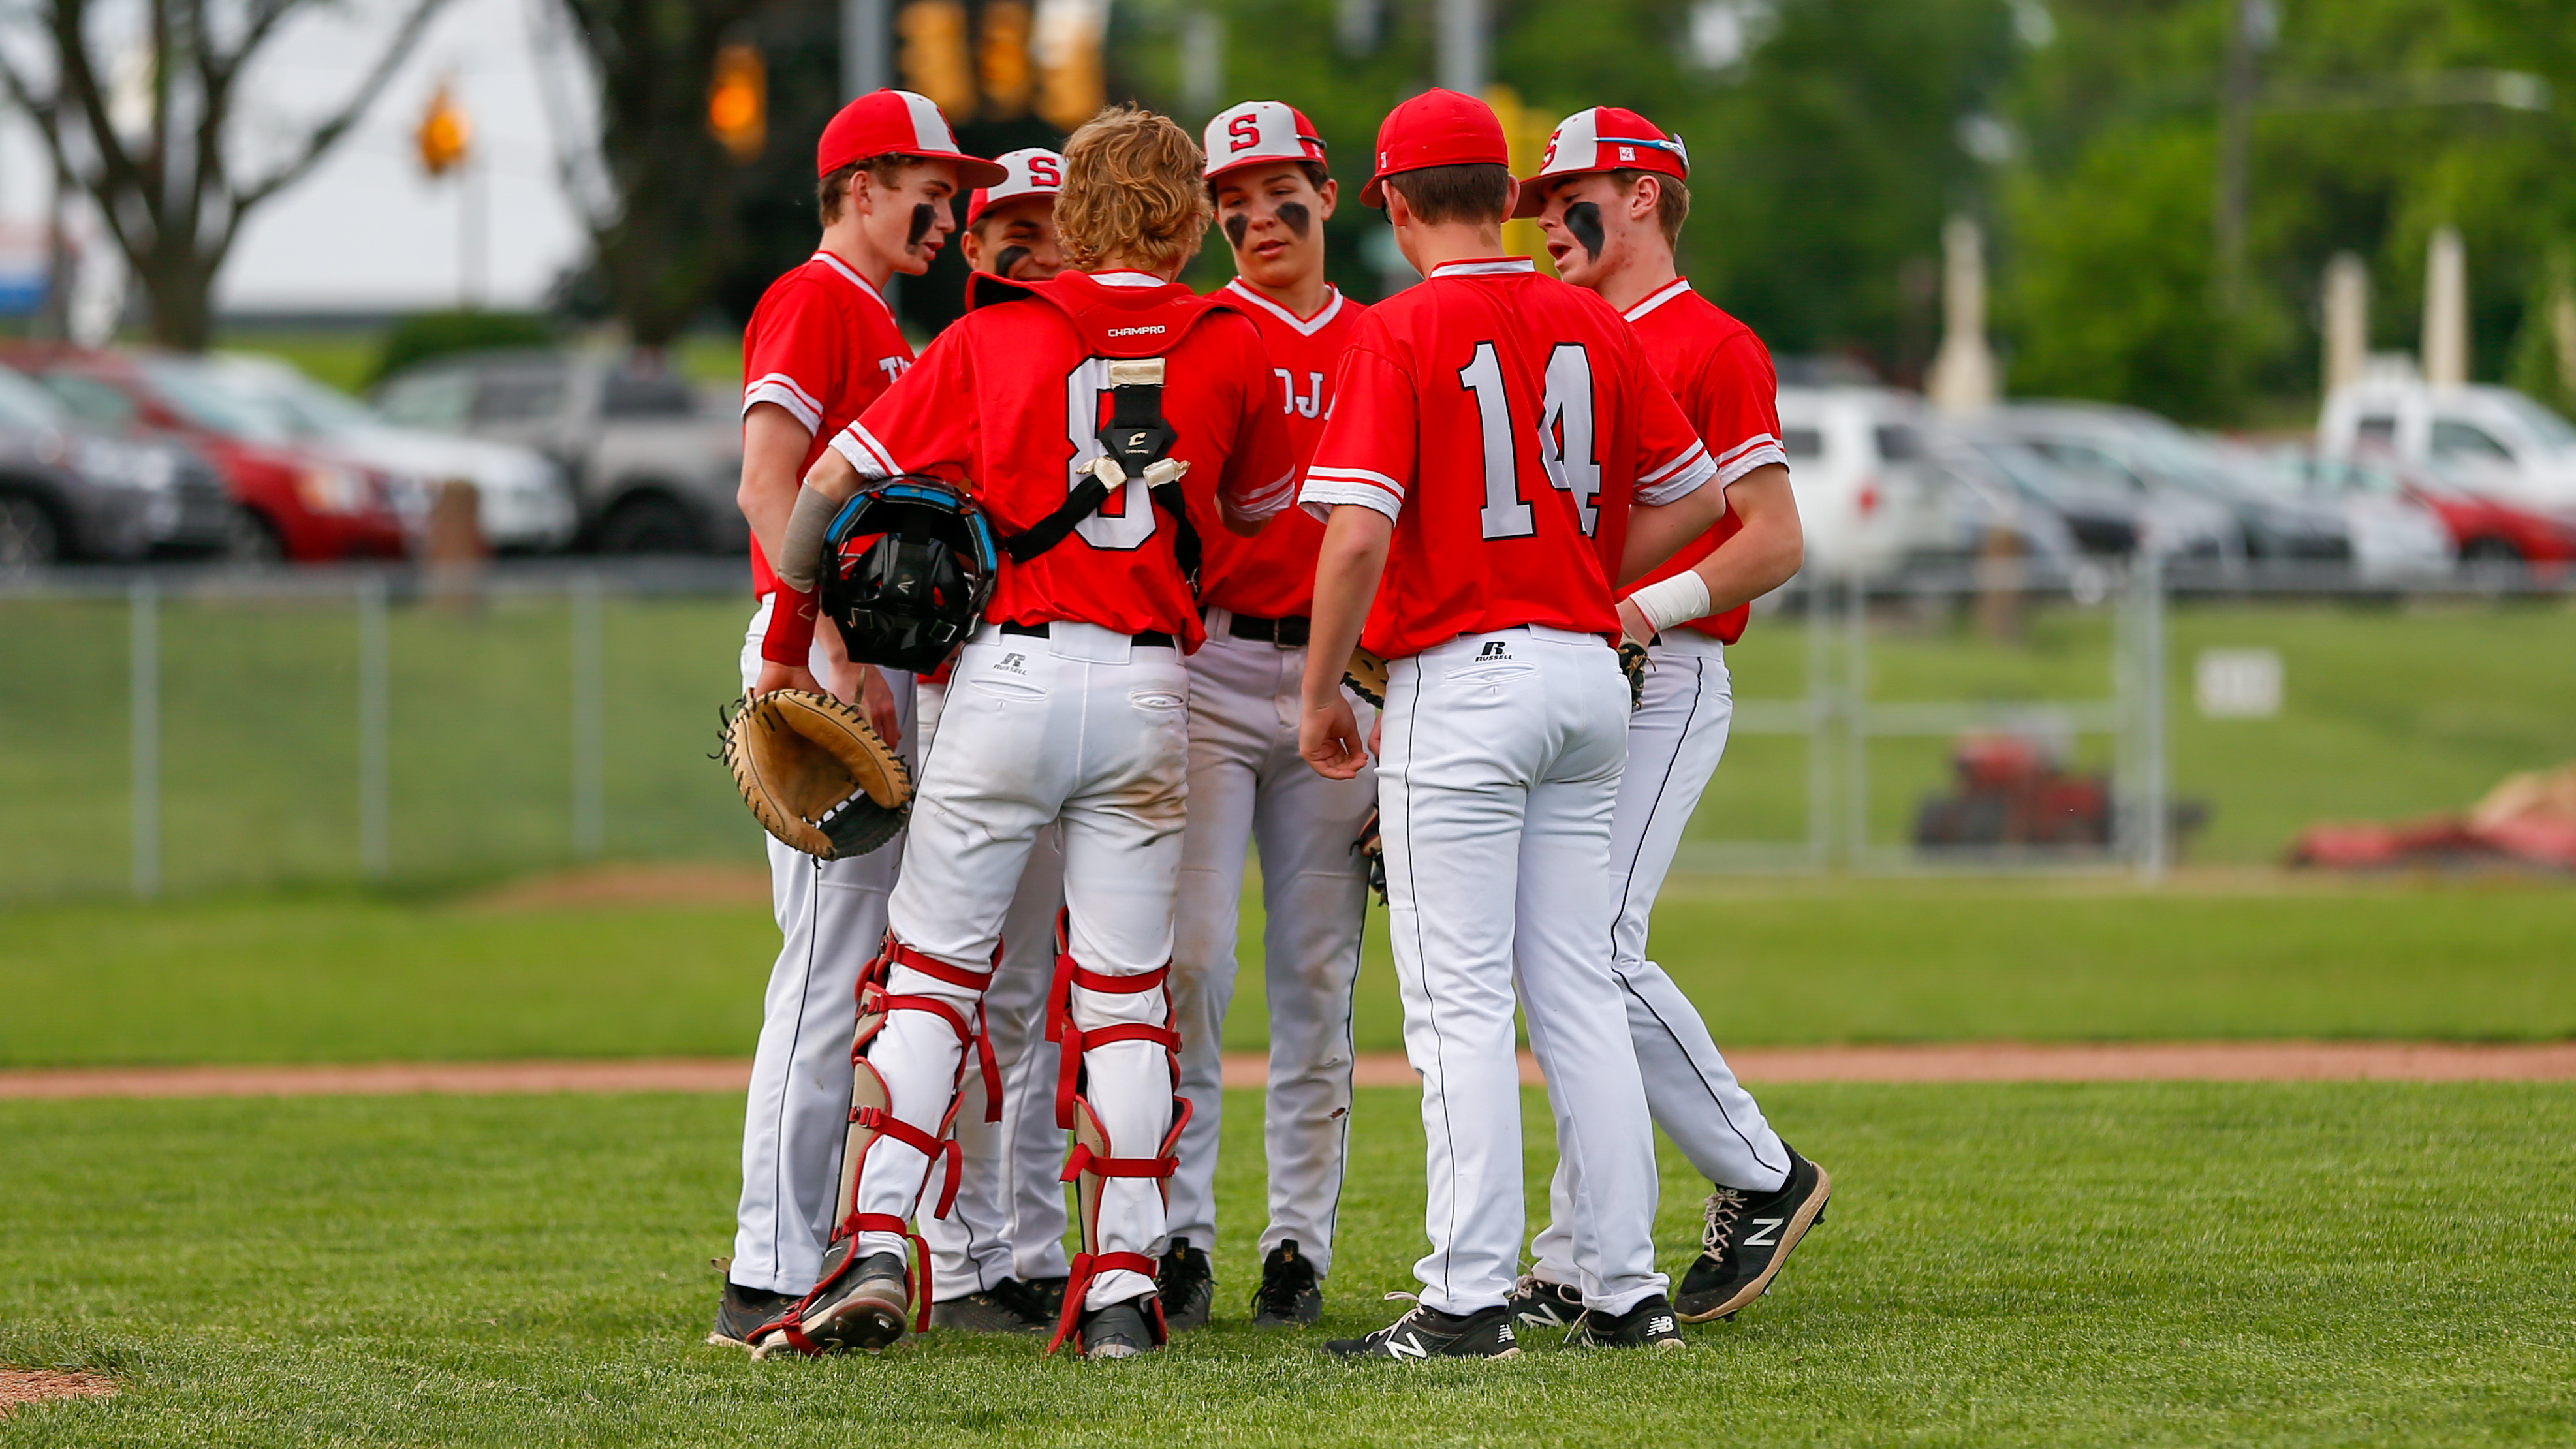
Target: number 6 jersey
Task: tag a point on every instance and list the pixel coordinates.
(1505, 421)
(1010, 399)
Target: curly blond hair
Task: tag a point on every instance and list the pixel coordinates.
(1133, 194)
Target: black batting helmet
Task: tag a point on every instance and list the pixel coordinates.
(908, 565)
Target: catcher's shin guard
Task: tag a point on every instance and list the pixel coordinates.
(1093, 1161)
(836, 1315)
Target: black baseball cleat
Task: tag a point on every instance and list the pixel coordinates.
(740, 1310)
(1009, 1306)
(867, 1308)
(1648, 1325)
(1187, 1286)
(1537, 1304)
(1430, 1333)
(1746, 1238)
(1121, 1330)
(1048, 1294)
(1289, 1294)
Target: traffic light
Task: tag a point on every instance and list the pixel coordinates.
(738, 103)
(1002, 59)
(443, 134)
(1068, 36)
(934, 60)
(1525, 134)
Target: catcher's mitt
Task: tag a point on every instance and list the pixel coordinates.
(815, 774)
(1632, 662)
(1366, 675)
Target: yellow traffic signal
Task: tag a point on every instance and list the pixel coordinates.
(934, 60)
(1525, 135)
(1002, 59)
(443, 135)
(738, 103)
(1067, 44)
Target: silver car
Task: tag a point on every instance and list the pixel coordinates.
(70, 493)
(653, 466)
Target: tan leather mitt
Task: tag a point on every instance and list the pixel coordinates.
(1366, 675)
(1632, 662)
(815, 774)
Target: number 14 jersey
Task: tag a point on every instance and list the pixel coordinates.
(1505, 421)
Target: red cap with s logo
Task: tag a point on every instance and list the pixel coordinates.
(1604, 138)
(1258, 131)
(1035, 171)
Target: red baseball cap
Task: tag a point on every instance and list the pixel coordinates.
(1604, 138)
(1259, 131)
(1034, 171)
(897, 123)
(1435, 128)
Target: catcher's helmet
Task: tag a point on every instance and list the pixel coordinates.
(908, 565)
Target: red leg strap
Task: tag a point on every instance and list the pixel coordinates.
(1075, 1041)
(1087, 1266)
(899, 954)
(1083, 1160)
(874, 998)
(934, 1148)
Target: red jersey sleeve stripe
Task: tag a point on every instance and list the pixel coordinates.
(865, 453)
(1327, 487)
(1680, 485)
(1688, 456)
(1269, 500)
(779, 388)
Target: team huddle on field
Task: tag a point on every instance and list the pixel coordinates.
(1116, 584)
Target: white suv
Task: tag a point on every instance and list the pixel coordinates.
(2487, 440)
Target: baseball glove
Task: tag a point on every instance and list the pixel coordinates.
(1371, 849)
(1366, 675)
(815, 774)
(1632, 662)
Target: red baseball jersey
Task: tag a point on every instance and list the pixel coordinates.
(1272, 575)
(822, 345)
(1011, 397)
(1505, 421)
(1721, 375)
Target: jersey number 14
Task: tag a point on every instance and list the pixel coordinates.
(1564, 439)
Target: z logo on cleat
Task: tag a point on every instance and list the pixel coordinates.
(1408, 1346)
(1766, 1233)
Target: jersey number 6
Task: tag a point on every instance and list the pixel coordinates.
(1564, 439)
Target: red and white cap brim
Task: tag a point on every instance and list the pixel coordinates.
(1030, 171)
(1603, 138)
(898, 123)
(1256, 132)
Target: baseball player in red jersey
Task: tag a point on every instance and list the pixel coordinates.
(1266, 174)
(820, 347)
(1070, 707)
(1610, 196)
(998, 1257)
(1492, 427)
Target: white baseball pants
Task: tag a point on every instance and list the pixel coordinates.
(1084, 729)
(1675, 740)
(1248, 786)
(831, 921)
(1009, 1218)
(1499, 769)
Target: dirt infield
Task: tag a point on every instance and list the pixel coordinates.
(28, 1386)
(1961, 1062)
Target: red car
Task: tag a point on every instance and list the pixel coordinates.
(2483, 529)
(293, 502)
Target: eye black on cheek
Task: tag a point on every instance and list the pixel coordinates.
(1296, 216)
(922, 218)
(1235, 226)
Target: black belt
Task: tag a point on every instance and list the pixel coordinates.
(1286, 633)
(1151, 638)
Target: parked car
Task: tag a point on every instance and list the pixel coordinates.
(654, 468)
(290, 501)
(67, 492)
(2395, 533)
(2482, 530)
(2491, 441)
(2107, 519)
(522, 501)
(2130, 448)
(1853, 464)
(1965, 497)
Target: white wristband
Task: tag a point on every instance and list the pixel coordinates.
(1675, 600)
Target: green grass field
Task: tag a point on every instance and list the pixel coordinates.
(2389, 712)
(2169, 1264)
(342, 976)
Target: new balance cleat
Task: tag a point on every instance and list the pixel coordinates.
(1289, 1294)
(1187, 1285)
(1121, 1330)
(1745, 1239)
(1009, 1306)
(1429, 1333)
(1647, 1325)
(1536, 1305)
(865, 1308)
(740, 1310)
